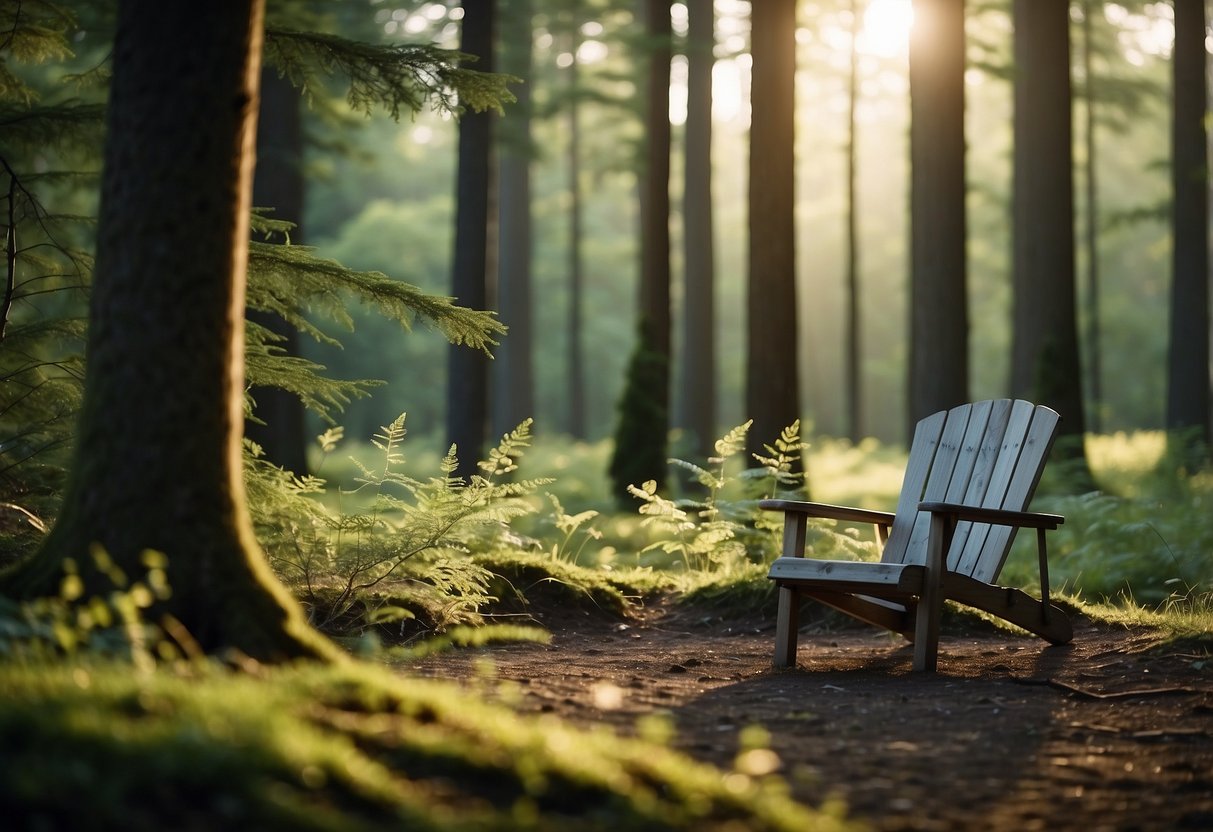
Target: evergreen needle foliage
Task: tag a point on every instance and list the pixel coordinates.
(396, 77)
(640, 435)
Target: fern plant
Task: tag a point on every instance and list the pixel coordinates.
(726, 529)
(569, 526)
(402, 547)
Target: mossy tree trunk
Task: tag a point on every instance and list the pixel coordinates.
(157, 462)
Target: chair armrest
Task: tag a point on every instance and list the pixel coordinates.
(829, 512)
(996, 516)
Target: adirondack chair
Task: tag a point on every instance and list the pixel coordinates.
(971, 473)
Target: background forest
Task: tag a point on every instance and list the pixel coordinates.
(622, 189)
(396, 214)
(540, 299)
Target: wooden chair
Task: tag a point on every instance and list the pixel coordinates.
(971, 473)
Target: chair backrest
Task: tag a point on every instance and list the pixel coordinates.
(987, 454)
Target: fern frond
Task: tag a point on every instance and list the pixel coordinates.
(732, 442)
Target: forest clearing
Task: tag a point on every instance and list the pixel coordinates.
(1114, 731)
(432, 415)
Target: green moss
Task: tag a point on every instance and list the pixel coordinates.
(525, 580)
(312, 747)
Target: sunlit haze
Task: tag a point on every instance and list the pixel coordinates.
(886, 28)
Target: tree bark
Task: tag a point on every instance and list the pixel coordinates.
(158, 460)
(699, 305)
(278, 184)
(772, 360)
(1188, 363)
(514, 390)
(576, 316)
(655, 190)
(467, 382)
(852, 376)
(939, 320)
(642, 429)
(1094, 354)
(1045, 364)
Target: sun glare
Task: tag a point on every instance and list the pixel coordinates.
(886, 28)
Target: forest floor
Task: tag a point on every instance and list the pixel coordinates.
(1111, 732)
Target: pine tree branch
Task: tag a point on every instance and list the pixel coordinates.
(397, 77)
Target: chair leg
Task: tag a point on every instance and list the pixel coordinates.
(930, 604)
(787, 623)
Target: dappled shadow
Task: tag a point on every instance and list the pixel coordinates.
(904, 750)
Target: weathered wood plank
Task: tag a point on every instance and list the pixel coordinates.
(918, 468)
(1011, 605)
(889, 615)
(885, 579)
(950, 442)
(967, 534)
(1024, 479)
(1015, 434)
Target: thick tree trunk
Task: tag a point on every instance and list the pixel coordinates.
(158, 462)
(1188, 364)
(939, 320)
(278, 184)
(1045, 364)
(699, 331)
(467, 382)
(772, 365)
(514, 388)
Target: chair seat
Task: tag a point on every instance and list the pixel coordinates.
(883, 580)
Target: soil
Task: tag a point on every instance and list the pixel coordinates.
(1111, 732)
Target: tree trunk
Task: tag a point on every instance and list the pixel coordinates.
(576, 356)
(514, 391)
(853, 383)
(158, 462)
(699, 347)
(1094, 354)
(939, 320)
(467, 383)
(1045, 364)
(1188, 364)
(772, 366)
(642, 430)
(278, 184)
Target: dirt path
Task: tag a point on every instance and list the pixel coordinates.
(1112, 732)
